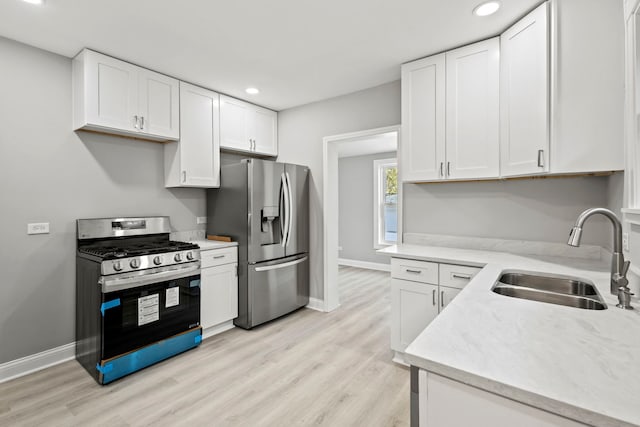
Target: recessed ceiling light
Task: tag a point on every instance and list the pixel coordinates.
(486, 9)
(252, 91)
(38, 2)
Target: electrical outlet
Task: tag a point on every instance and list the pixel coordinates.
(201, 220)
(625, 241)
(38, 228)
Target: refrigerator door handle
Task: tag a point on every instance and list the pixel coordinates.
(281, 211)
(290, 213)
(285, 221)
(283, 265)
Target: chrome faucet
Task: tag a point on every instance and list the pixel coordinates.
(619, 266)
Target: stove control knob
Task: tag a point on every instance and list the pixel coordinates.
(117, 266)
(178, 257)
(157, 260)
(135, 263)
(190, 256)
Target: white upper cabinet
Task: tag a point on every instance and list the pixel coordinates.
(158, 104)
(450, 113)
(587, 86)
(562, 90)
(524, 95)
(248, 128)
(472, 130)
(194, 161)
(113, 96)
(422, 144)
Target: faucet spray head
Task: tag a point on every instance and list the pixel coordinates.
(574, 236)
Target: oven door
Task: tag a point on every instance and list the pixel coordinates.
(138, 310)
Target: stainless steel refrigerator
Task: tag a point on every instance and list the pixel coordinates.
(264, 206)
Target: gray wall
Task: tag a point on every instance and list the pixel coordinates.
(532, 209)
(300, 133)
(355, 201)
(50, 174)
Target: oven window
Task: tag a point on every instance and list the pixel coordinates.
(150, 313)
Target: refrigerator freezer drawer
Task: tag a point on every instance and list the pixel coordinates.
(277, 288)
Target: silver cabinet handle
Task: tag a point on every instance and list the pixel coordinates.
(540, 158)
(218, 256)
(449, 169)
(461, 276)
(433, 297)
(137, 126)
(141, 122)
(441, 169)
(442, 299)
(413, 271)
(184, 176)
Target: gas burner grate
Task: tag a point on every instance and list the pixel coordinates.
(136, 249)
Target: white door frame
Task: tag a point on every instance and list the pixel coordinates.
(330, 207)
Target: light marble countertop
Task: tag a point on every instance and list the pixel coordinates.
(581, 364)
(213, 244)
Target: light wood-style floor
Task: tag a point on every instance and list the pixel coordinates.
(306, 369)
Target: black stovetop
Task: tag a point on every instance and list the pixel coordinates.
(115, 248)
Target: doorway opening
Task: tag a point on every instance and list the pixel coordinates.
(387, 208)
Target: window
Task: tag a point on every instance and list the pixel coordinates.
(385, 202)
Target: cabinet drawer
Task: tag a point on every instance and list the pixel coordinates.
(416, 271)
(456, 276)
(214, 257)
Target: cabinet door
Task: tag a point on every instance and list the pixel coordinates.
(111, 97)
(158, 104)
(422, 147)
(264, 124)
(199, 145)
(446, 296)
(234, 124)
(413, 306)
(218, 295)
(473, 128)
(524, 95)
(445, 402)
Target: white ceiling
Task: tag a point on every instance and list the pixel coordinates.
(294, 51)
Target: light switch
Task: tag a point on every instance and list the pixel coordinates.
(38, 228)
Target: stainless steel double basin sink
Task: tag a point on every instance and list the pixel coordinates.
(550, 289)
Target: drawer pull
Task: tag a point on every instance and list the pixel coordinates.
(413, 271)
(218, 256)
(461, 276)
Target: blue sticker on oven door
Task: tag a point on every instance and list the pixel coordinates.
(109, 304)
(194, 283)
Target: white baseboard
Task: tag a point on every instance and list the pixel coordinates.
(364, 264)
(316, 304)
(36, 362)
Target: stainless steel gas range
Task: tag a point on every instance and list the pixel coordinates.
(137, 295)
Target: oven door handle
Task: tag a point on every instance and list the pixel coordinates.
(112, 284)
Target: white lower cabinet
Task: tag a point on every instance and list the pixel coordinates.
(414, 306)
(420, 290)
(218, 288)
(441, 399)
